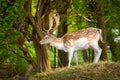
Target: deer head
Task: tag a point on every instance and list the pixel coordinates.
(54, 18)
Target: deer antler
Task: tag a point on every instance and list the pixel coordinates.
(57, 20)
(54, 18)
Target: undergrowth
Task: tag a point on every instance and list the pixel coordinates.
(89, 71)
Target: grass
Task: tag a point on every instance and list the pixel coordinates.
(99, 71)
(80, 57)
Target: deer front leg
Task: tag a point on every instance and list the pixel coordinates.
(76, 57)
(70, 58)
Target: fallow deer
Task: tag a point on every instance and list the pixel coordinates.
(72, 42)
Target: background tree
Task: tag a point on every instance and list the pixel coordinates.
(62, 7)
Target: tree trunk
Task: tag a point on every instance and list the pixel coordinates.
(43, 63)
(101, 25)
(42, 59)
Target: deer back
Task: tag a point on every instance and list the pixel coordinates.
(89, 33)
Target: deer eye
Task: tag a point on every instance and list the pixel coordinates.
(46, 37)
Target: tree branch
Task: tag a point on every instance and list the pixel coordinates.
(21, 29)
(87, 18)
(27, 8)
(26, 52)
(30, 68)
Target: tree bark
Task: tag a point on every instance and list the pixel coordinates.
(101, 25)
(43, 63)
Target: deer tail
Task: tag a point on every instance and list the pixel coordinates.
(101, 38)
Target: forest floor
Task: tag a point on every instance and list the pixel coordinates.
(87, 71)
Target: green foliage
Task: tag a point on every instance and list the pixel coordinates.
(112, 11)
(11, 13)
(75, 21)
(34, 5)
(79, 5)
(116, 57)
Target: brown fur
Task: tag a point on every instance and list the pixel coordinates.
(88, 32)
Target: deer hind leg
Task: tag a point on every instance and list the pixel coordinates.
(76, 57)
(97, 51)
(70, 58)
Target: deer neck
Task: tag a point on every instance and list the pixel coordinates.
(57, 42)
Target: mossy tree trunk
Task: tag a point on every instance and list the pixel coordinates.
(42, 8)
